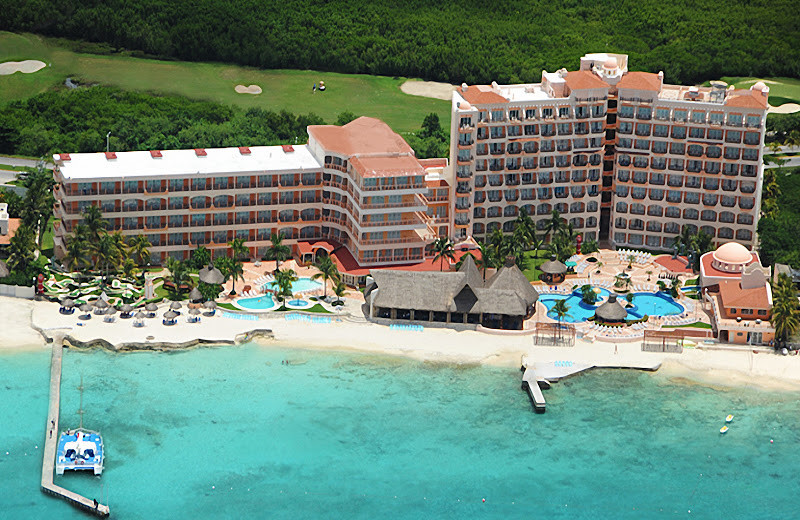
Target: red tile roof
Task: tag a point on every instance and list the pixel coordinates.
(111, 155)
(433, 163)
(287, 148)
(482, 95)
(13, 225)
(64, 156)
(244, 150)
(365, 135)
(155, 153)
(200, 152)
(584, 79)
(675, 266)
(744, 98)
(347, 264)
(640, 81)
(710, 270)
(733, 296)
(387, 166)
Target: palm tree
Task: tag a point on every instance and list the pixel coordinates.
(139, 249)
(238, 249)
(785, 312)
(327, 271)
(278, 251)
(339, 288)
(108, 252)
(588, 295)
(21, 249)
(684, 240)
(631, 259)
(179, 273)
(662, 286)
(37, 208)
(283, 284)
(486, 261)
(443, 248)
(94, 221)
(648, 273)
(77, 247)
(236, 272)
(554, 224)
(129, 268)
(561, 308)
(524, 229)
(674, 289)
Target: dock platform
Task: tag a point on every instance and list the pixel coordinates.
(51, 441)
(530, 383)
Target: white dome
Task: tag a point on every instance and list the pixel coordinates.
(732, 253)
(759, 86)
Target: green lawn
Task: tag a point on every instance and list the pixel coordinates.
(695, 325)
(781, 90)
(535, 259)
(377, 96)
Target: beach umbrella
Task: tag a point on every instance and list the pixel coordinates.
(195, 295)
(139, 315)
(211, 275)
(67, 303)
(126, 308)
(100, 303)
(151, 307)
(85, 308)
(210, 304)
(170, 315)
(175, 306)
(110, 311)
(194, 312)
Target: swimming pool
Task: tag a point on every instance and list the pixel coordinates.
(644, 303)
(301, 285)
(257, 303)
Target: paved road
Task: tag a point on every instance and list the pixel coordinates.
(783, 149)
(6, 176)
(791, 163)
(17, 161)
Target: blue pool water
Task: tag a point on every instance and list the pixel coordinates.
(301, 285)
(298, 303)
(652, 304)
(257, 303)
(231, 432)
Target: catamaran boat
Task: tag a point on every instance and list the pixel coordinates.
(79, 449)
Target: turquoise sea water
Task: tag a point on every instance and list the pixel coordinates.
(653, 304)
(231, 432)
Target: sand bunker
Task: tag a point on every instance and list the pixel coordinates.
(786, 108)
(430, 89)
(252, 89)
(26, 67)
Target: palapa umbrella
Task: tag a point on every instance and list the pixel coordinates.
(109, 314)
(100, 303)
(210, 304)
(194, 311)
(151, 308)
(170, 315)
(195, 295)
(211, 275)
(175, 306)
(194, 315)
(86, 309)
(126, 310)
(139, 315)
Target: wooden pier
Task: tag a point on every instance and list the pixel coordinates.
(530, 383)
(51, 441)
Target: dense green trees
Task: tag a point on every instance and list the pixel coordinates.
(777, 229)
(77, 121)
(446, 41)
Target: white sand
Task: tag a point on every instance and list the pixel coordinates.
(715, 367)
(252, 89)
(430, 89)
(786, 108)
(26, 67)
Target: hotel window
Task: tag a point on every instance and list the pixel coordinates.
(659, 147)
(733, 136)
(679, 116)
(598, 111)
(637, 209)
(625, 127)
(673, 196)
(656, 194)
(642, 129)
(691, 214)
(626, 111)
(107, 188)
(130, 186)
(498, 115)
(641, 144)
(661, 130)
(716, 118)
(596, 127)
(513, 114)
(750, 154)
(662, 114)
(497, 132)
(153, 186)
(622, 207)
(644, 113)
(547, 113)
(752, 137)
(658, 163)
(530, 130)
(735, 120)
(622, 191)
(591, 206)
(639, 177)
(514, 131)
(564, 129)
(530, 113)
(691, 198)
(244, 234)
(715, 134)
(594, 174)
(697, 132)
(623, 175)
(698, 116)
(563, 112)
(625, 143)
(678, 132)
(677, 148)
(673, 212)
(753, 121)
(731, 152)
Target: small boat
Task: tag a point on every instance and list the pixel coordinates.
(729, 418)
(80, 449)
(724, 429)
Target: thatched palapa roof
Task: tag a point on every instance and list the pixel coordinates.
(611, 310)
(553, 266)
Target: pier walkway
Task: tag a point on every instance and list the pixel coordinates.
(51, 441)
(540, 374)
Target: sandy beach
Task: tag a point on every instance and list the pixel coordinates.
(729, 368)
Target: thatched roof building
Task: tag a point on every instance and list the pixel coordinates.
(504, 301)
(611, 310)
(553, 271)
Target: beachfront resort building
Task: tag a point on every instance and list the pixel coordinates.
(736, 285)
(622, 155)
(357, 188)
(461, 297)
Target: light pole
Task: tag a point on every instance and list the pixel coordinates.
(107, 136)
